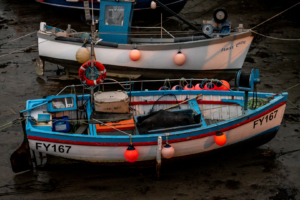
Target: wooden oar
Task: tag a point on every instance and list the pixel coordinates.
(183, 102)
(21, 160)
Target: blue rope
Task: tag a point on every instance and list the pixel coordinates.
(87, 73)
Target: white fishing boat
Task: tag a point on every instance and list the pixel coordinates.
(215, 51)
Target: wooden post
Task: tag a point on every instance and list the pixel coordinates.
(158, 157)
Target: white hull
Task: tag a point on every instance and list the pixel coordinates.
(213, 54)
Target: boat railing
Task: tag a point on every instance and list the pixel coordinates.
(161, 28)
(126, 85)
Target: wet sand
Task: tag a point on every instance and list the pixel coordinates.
(268, 172)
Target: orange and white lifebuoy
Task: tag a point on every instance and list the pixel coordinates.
(87, 81)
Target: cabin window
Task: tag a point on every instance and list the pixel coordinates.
(114, 15)
(59, 103)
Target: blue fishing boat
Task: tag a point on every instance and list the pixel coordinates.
(144, 125)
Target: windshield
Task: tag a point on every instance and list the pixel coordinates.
(114, 15)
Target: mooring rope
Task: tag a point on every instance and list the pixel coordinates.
(290, 88)
(18, 38)
(23, 48)
(293, 105)
(273, 18)
(274, 37)
(83, 121)
(11, 123)
(275, 15)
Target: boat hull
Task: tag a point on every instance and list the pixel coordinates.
(212, 58)
(256, 129)
(125, 72)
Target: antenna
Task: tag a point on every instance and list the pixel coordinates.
(87, 11)
(93, 12)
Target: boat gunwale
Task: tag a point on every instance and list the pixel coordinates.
(155, 47)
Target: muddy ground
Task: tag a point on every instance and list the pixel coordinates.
(269, 172)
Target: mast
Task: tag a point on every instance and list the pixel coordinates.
(92, 72)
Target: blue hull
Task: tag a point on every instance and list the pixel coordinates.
(177, 5)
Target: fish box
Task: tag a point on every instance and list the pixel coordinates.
(61, 124)
(111, 102)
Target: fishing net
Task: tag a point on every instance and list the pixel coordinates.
(256, 103)
(164, 119)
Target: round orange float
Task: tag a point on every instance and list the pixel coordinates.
(167, 151)
(164, 88)
(220, 138)
(199, 87)
(210, 86)
(179, 58)
(135, 55)
(177, 87)
(225, 86)
(189, 87)
(131, 154)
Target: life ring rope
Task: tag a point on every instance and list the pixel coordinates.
(87, 81)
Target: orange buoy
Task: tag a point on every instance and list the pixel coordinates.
(177, 87)
(189, 87)
(167, 151)
(131, 154)
(179, 58)
(199, 87)
(225, 86)
(220, 138)
(135, 55)
(210, 86)
(164, 88)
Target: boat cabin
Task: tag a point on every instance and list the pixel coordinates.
(115, 17)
